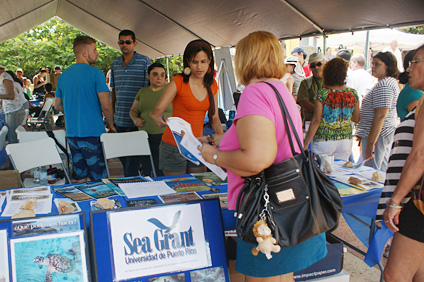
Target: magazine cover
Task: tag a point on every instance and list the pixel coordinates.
(186, 184)
(4, 257)
(141, 203)
(223, 201)
(215, 274)
(46, 225)
(56, 257)
(183, 197)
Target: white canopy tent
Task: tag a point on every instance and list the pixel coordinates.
(164, 27)
(378, 40)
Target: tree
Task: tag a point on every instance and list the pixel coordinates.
(175, 64)
(48, 45)
(415, 30)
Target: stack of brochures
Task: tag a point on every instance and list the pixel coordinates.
(41, 198)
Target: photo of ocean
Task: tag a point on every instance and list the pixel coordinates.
(56, 257)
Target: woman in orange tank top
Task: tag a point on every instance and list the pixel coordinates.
(192, 94)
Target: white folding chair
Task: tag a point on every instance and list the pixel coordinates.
(125, 144)
(60, 135)
(33, 154)
(3, 134)
(44, 119)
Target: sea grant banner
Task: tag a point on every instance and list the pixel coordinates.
(158, 240)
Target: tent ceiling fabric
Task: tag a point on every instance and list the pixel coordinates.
(164, 27)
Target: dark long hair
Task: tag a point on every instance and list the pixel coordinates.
(190, 52)
(15, 78)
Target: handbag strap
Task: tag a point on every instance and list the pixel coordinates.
(286, 117)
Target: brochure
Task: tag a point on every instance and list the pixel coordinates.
(187, 144)
(209, 178)
(4, 256)
(95, 207)
(145, 189)
(71, 202)
(141, 203)
(186, 184)
(114, 182)
(14, 203)
(72, 193)
(46, 225)
(223, 201)
(181, 197)
(97, 190)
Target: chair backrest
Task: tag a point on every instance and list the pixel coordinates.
(20, 129)
(47, 107)
(3, 134)
(26, 136)
(33, 154)
(135, 143)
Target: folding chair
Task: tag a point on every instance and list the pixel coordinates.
(24, 121)
(45, 118)
(33, 154)
(126, 144)
(60, 136)
(3, 134)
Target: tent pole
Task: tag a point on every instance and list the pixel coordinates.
(324, 44)
(367, 50)
(167, 68)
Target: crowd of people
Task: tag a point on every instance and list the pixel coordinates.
(331, 100)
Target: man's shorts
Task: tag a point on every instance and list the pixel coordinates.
(170, 159)
(87, 158)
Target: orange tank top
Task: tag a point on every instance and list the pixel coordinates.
(189, 108)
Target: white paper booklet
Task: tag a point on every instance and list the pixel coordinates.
(187, 144)
(145, 189)
(14, 203)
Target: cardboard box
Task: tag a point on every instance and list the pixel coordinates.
(330, 265)
(9, 179)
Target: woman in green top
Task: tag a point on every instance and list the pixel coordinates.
(144, 102)
(336, 106)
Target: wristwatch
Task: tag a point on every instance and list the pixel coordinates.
(215, 156)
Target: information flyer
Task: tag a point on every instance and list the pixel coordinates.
(158, 240)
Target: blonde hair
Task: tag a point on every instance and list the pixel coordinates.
(258, 55)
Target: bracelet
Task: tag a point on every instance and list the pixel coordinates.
(393, 206)
(215, 156)
(211, 140)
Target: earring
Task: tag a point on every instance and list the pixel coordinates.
(209, 70)
(187, 71)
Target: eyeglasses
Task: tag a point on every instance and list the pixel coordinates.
(411, 63)
(128, 42)
(313, 65)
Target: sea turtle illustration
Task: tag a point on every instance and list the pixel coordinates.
(55, 263)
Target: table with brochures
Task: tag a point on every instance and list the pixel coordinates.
(359, 208)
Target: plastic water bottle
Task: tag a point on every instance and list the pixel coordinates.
(231, 116)
(43, 175)
(37, 175)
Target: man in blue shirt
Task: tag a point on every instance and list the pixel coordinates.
(129, 74)
(82, 94)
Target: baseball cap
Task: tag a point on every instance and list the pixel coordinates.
(298, 50)
(316, 57)
(344, 54)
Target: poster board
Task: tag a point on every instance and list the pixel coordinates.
(170, 242)
(42, 248)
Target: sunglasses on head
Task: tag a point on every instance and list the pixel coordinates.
(313, 65)
(128, 42)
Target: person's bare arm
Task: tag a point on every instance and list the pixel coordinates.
(258, 147)
(8, 85)
(313, 127)
(412, 105)
(355, 114)
(113, 94)
(376, 126)
(107, 109)
(165, 100)
(58, 104)
(135, 115)
(216, 122)
(307, 106)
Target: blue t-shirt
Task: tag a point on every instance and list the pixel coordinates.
(78, 87)
(406, 97)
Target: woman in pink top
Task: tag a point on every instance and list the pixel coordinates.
(257, 140)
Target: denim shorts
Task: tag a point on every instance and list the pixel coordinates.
(87, 158)
(170, 159)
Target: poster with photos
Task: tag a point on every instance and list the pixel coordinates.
(54, 257)
(4, 257)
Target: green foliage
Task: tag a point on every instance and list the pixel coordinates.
(415, 30)
(48, 45)
(175, 64)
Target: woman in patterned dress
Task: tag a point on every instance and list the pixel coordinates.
(336, 106)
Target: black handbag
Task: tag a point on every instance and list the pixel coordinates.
(294, 197)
